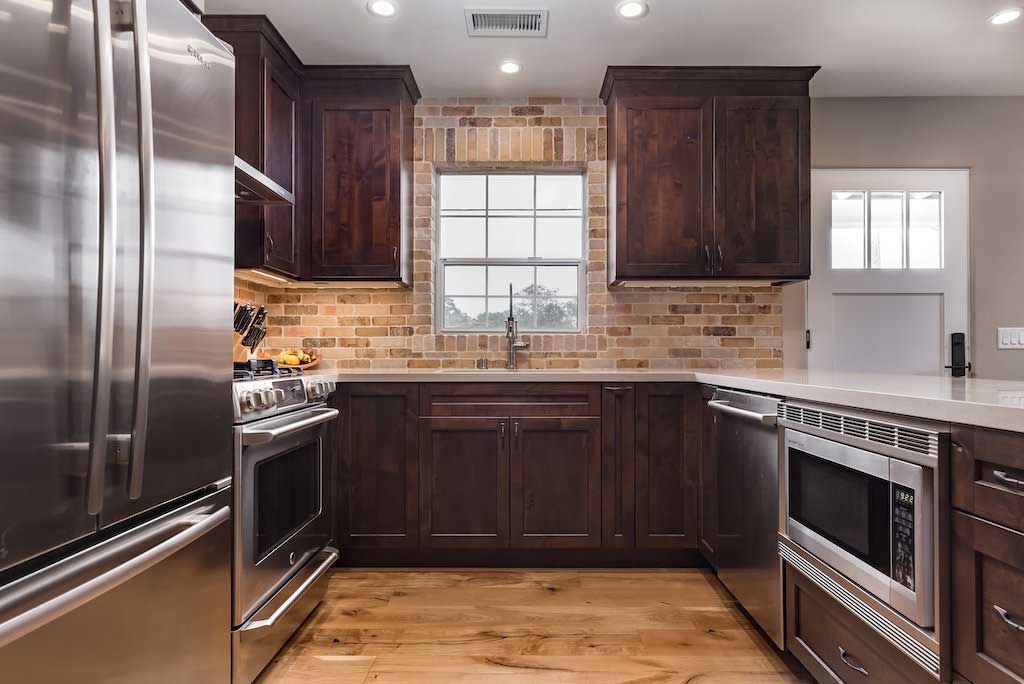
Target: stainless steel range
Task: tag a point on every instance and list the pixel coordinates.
(282, 525)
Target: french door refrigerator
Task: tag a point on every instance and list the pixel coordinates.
(116, 251)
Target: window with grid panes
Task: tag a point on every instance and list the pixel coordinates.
(502, 231)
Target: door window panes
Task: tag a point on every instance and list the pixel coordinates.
(886, 229)
(502, 230)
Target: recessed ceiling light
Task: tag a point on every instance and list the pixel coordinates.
(1006, 16)
(510, 67)
(382, 8)
(631, 9)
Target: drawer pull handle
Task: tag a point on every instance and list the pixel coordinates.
(845, 657)
(1005, 616)
(1006, 479)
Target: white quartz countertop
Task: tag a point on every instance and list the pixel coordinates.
(985, 403)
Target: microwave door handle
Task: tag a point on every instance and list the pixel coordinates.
(725, 407)
(105, 295)
(258, 436)
(147, 235)
(290, 601)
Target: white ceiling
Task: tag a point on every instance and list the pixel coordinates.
(865, 47)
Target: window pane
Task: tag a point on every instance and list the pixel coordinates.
(559, 192)
(465, 312)
(560, 238)
(510, 237)
(886, 230)
(499, 277)
(464, 280)
(557, 314)
(848, 230)
(509, 192)
(462, 236)
(463, 192)
(497, 308)
(557, 281)
(924, 228)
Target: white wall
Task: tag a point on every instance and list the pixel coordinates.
(985, 134)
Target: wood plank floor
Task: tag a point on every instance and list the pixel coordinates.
(529, 627)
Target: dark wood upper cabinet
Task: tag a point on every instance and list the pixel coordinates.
(267, 97)
(762, 187)
(663, 192)
(708, 172)
(464, 493)
(668, 433)
(361, 173)
(340, 139)
(377, 502)
(556, 482)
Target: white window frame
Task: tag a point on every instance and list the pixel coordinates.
(581, 263)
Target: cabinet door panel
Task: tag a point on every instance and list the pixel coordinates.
(667, 444)
(356, 189)
(378, 484)
(556, 482)
(709, 482)
(618, 466)
(663, 186)
(988, 601)
(762, 186)
(465, 494)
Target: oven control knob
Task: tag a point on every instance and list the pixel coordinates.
(269, 397)
(316, 389)
(249, 401)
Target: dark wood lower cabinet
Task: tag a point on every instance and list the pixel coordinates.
(668, 432)
(988, 601)
(618, 466)
(708, 481)
(464, 470)
(556, 482)
(836, 647)
(377, 483)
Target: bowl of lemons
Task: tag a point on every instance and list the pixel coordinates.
(298, 358)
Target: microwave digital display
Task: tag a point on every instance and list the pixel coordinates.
(903, 535)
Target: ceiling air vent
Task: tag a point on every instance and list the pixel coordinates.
(507, 23)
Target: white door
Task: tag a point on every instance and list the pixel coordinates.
(889, 269)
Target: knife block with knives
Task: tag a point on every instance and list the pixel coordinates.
(249, 325)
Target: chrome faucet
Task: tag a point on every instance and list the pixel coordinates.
(512, 335)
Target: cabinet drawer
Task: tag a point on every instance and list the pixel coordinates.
(988, 601)
(501, 399)
(835, 646)
(988, 474)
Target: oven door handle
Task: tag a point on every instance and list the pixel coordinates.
(324, 566)
(256, 436)
(726, 407)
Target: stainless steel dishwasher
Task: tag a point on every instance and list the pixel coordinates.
(747, 446)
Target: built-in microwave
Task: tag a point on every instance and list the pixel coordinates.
(866, 512)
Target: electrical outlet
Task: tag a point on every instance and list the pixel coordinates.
(1011, 338)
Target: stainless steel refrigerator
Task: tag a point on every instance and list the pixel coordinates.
(116, 250)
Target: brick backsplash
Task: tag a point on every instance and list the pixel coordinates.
(691, 327)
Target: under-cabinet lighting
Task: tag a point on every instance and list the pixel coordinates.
(1005, 16)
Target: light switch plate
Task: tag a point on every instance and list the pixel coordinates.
(1011, 338)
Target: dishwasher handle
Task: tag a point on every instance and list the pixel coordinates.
(768, 419)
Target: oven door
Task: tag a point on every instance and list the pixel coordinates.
(866, 515)
(280, 519)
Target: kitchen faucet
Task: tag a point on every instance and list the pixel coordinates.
(512, 335)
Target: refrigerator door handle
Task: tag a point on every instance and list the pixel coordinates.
(106, 295)
(62, 604)
(147, 235)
